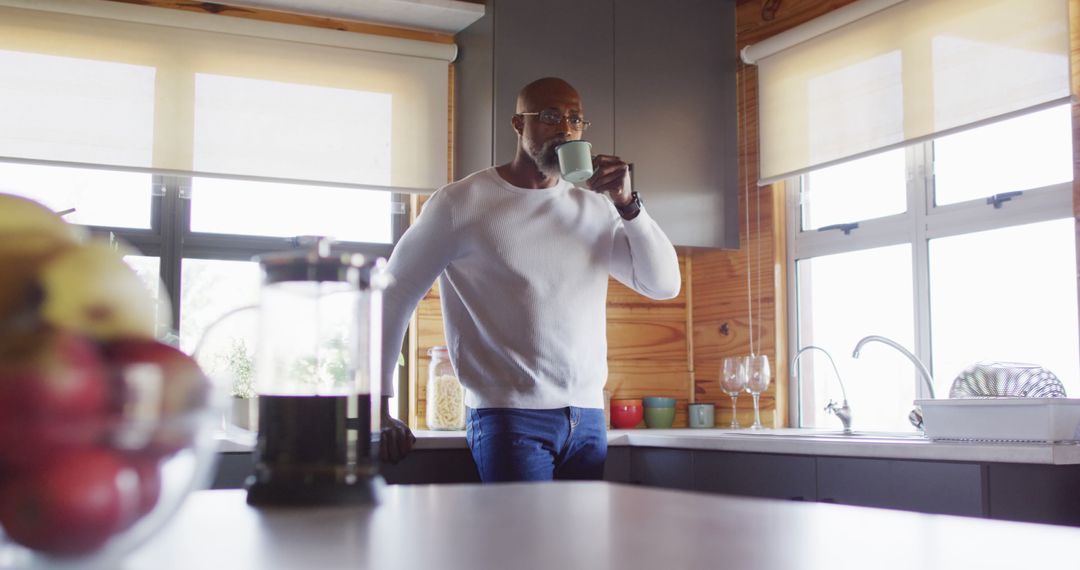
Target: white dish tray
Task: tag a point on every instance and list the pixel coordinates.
(1002, 419)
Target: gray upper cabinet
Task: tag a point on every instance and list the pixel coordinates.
(657, 80)
(675, 114)
(474, 99)
(570, 39)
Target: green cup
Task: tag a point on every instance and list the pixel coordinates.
(575, 161)
(659, 418)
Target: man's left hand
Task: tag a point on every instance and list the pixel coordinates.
(612, 176)
(396, 439)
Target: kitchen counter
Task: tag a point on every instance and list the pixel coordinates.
(829, 443)
(586, 525)
(1033, 482)
(782, 441)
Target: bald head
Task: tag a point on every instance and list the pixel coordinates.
(536, 139)
(544, 93)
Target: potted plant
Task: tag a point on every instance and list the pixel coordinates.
(245, 403)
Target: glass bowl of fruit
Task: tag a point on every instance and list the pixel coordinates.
(99, 445)
(104, 430)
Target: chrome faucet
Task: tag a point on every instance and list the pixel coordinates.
(915, 416)
(842, 411)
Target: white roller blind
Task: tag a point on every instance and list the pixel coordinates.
(140, 88)
(913, 70)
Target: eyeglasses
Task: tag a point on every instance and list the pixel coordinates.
(550, 117)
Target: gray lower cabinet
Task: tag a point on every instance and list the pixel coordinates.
(424, 466)
(748, 474)
(923, 486)
(233, 468)
(662, 467)
(617, 466)
(755, 475)
(1034, 493)
(1007, 491)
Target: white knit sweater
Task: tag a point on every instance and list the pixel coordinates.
(523, 278)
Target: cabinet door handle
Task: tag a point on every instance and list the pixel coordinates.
(827, 500)
(796, 498)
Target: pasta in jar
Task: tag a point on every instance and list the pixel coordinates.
(445, 395)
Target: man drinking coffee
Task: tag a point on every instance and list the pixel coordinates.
(523, 258)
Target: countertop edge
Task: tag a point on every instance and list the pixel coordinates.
(241, 441)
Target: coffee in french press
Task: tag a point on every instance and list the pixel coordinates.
(317, 378)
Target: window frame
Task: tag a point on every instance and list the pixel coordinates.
(922, 221)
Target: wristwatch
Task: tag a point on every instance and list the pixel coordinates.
(630, 210)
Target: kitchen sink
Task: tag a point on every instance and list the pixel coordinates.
(832, 435)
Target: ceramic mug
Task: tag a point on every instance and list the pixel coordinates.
(625, 414)
(702, 415)
(575, 161)
(659, 418)
(659, 412)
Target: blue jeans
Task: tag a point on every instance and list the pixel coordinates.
(537, 445)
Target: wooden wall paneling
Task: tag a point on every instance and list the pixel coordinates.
(413, 371)
(688, 290)
(781, 378)
(756, 20)
(647, 343)
(733, 287)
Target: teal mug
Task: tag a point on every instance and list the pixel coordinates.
(701, 415)
(575, 161)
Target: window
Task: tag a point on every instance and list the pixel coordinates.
(1006, 294)
(93, 197)
(238, 207)
(960, 249)
(838, 193)
(204, 141)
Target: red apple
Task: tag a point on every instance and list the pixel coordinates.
(54, 373)
(53, 396)
(158, 384)
(183, 387)
(72, 505)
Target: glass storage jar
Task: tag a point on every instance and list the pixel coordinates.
(445, 395)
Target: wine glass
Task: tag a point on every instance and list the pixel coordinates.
(758, 377)
(732, 382)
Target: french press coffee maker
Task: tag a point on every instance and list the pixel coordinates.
(317, 376)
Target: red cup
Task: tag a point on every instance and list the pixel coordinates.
(626, 414)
